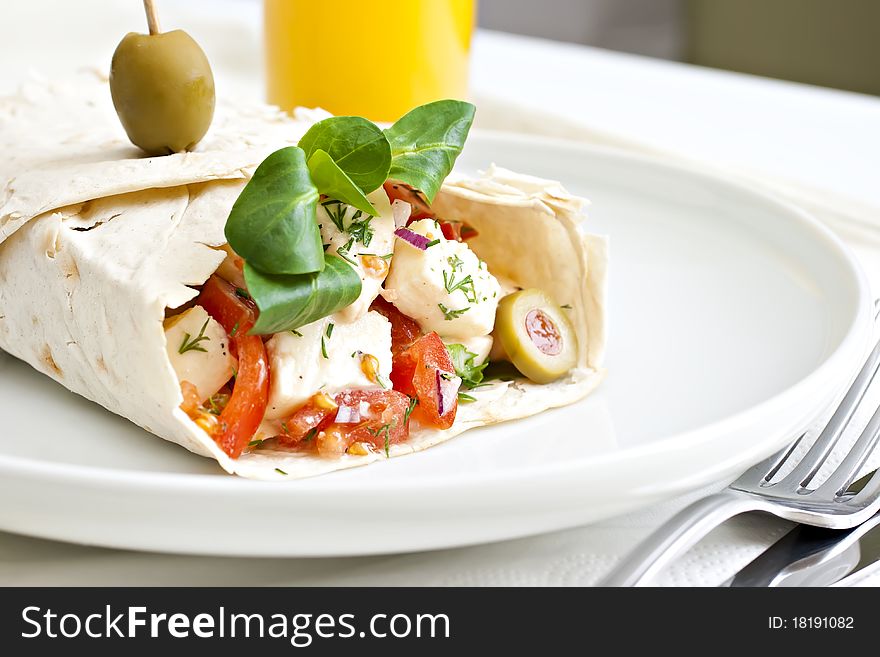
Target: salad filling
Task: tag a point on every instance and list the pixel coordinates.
(346, 311)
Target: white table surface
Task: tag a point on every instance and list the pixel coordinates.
(820, 144)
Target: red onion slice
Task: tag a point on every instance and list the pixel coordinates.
(401, 211)
(412, 238)
(348, 414)
(447, 391)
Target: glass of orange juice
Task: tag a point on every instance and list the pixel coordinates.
(372, 58)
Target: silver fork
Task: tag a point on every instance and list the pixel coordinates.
(828, 504)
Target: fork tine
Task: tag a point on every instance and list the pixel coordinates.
(812, 461)
(852, 463)
(760, 474)
(869, 495)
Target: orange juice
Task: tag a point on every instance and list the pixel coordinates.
(372, 58)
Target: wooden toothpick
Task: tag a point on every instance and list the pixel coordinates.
(152, 17)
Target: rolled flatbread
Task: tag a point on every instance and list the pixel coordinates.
(97, 243)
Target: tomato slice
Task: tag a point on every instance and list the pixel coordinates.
(241, 417)
(397, 191)
(404, 329)
(381, 421)
(459, 231)
(425, 371)
(307, 420)
(377, 417)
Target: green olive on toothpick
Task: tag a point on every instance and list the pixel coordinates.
(162, 88)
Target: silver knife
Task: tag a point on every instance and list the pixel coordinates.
(815, 556)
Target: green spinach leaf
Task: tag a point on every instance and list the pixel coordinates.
(272, 224)
(426, 141)
(333, 182)
(289, 302)
(358, 146)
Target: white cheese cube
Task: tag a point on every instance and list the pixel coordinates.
(362, 241)
(446, 288)
(298, 367)
(230, 269)
(198, 348)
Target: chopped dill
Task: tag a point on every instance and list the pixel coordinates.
(412, 406)
(449, 314)
(192, 344)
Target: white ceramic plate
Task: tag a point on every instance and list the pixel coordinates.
(735, 319)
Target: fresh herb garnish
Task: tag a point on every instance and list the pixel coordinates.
(234, 330)
(413, 401)
(330, 326)
(449, 315)
(213, 405)
(323, 348)
(455, 262)
(334, 182)
(192, 344)
(273, 224)
(336, 211)
(296, 333)
(567, 306)
(386, 429)
(426, 141)
(358, 147)
(466, 398)
(273, 230)
(242, 293)
(432, 243)
(387, 256)
(344, 251)
(470, 373)
(310, 434)
(466, 285)
(360, 229)
(280, 471)
(284, 428)
(255, 443)
(289, 302)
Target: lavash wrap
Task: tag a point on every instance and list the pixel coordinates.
(96, 242)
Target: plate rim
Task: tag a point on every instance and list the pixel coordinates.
(854, 340)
